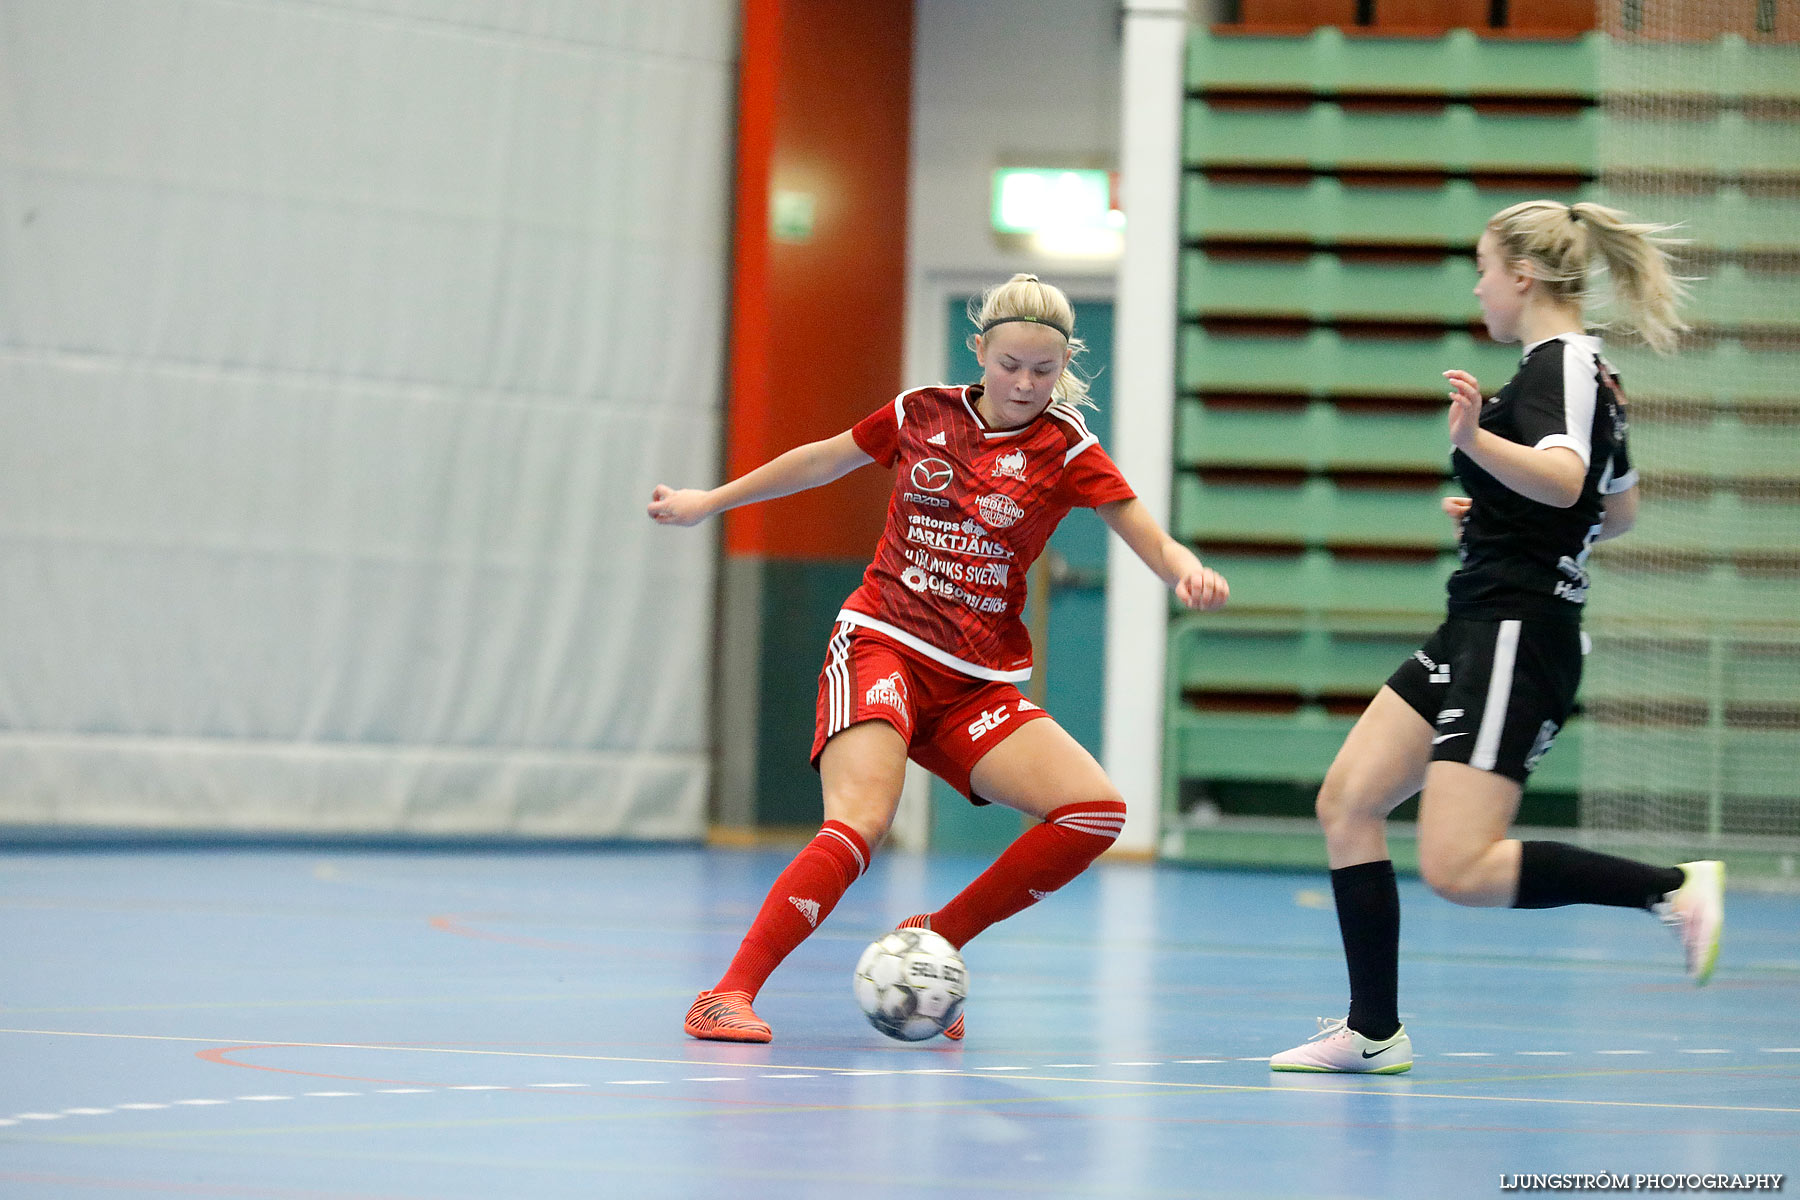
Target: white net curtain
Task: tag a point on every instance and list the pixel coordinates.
(1692, 697)
(339, 347)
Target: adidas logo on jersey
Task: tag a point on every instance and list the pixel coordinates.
(1026, 706)
(936, 439)
(808, 909)
(1037, 895)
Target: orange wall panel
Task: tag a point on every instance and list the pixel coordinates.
(825, 111)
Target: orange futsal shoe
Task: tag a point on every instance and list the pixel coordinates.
(726, 1017)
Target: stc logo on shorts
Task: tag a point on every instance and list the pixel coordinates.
(931, 475)
(987, 722)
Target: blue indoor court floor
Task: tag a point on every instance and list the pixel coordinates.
(327, 1022)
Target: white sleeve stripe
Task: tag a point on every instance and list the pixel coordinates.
(1579, 446)
(1078, 447)
(900, 409)
(1581, 386)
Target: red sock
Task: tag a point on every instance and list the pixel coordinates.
(803, 896)
(1043, 859)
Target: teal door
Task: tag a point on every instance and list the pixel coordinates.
(1071, 666)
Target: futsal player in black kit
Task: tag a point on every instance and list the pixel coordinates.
(1466, 718)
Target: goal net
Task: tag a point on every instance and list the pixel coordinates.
(1691, 731)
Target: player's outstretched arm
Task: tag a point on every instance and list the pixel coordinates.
(1552, 475)
(1196, 585)
(812, 465)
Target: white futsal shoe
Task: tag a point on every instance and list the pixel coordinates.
(1695, 912)
(1337, 1047)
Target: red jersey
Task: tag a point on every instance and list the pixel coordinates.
(971, 510)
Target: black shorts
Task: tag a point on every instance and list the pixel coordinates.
(1495, 692)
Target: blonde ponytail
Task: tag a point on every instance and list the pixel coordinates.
(1564, 246)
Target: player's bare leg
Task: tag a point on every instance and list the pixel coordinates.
(1464, 853)
(1381, 764)
(1043, 772)
(862, 769)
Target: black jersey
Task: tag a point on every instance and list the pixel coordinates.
(1525, 559)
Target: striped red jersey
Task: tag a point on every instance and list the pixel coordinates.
(972, 509)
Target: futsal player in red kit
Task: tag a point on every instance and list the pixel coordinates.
(926, 656)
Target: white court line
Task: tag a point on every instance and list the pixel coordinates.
(404, 1091)
(1465, 1054)
(87, 1112)
(1195, 1061)
(1005, 1068)
(1621, 1052)
(1543, 1053)
(265, 1097)
(630, 1082)
(829, 1072)
(1697, 1051)
(477, 1087)
(558, 1085)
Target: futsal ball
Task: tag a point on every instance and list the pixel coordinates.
(911, 984)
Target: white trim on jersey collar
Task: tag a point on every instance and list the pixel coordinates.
(982, 425)
(1061, 410)
(1590, 342)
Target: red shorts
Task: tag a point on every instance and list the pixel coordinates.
(949, 720)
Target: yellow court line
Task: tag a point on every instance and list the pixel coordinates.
(1148, 1084)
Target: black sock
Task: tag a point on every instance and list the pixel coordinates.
(1368, 909)
(1552, 874)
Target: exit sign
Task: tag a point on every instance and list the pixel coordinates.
(1052, 200)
